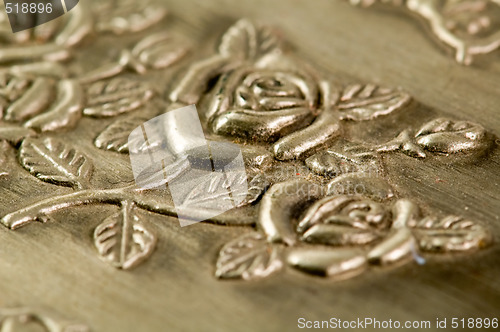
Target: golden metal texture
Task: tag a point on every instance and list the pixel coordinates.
(371, 155)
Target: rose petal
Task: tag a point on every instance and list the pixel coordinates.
(338, 235)
(275, 211)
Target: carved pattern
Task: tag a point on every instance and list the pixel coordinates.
(442, 137)
(40, 97)
(55, 162)
(341, 236)
(53, 40)
(248, 257)
(312, 219)
(115, 136)
(470, 27)
(123, 240)
(38, 102)
(156, 51)
(116, 96)
(264, 94)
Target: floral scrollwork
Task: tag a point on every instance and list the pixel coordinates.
(341, 236)
(264, 94)
(336, 214)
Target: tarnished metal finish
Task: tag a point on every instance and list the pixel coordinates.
(365, 160)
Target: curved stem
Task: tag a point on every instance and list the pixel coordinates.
(403, 143)
(40, 210)
(322, 131)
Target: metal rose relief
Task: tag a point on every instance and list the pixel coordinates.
(320, 200)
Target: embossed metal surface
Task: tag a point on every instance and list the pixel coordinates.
(372, 160)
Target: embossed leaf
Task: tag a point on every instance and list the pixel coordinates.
(367, 102)
(123, 240)
(157, 176)
(159, 50)
(116, 96)
(44, 104)
(256, 188)
(215, 187)
(64, 112)
(115, 136)
(55, 162)
(444, 135)
(248, 257)
(451, 233)
(247, 41)
(23, 96)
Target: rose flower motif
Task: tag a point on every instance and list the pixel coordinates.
(344, 220)
(264, 105)
(339, 234)
(273, 101)
(254, 91)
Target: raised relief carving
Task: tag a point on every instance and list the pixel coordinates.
(319, 202)
(248, 257)
(53, 40)
(343, 235)
(262, 97)
(55, 162)
(123, 239)
(265, 94)
(470, 27)
(442, 137)
(156, 51)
